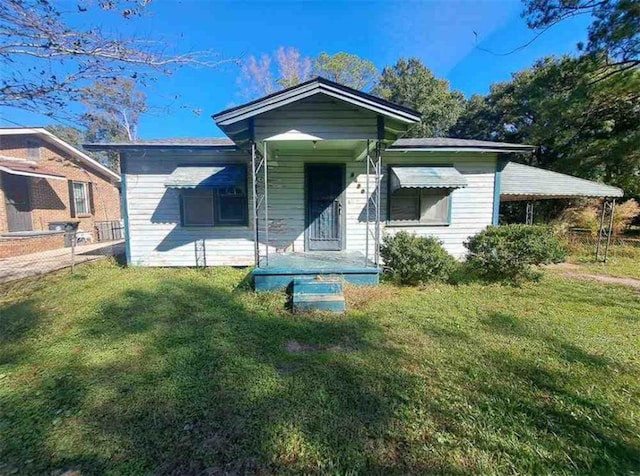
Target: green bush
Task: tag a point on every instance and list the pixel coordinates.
(412, 259)
(509, 252)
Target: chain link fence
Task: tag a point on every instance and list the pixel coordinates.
(33, 253)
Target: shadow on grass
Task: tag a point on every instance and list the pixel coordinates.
(185, 377)
(194, 381)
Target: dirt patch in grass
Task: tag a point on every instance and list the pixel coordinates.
(359, 297)
(575, 271)
(295, 347)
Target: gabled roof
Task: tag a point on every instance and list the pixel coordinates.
(522, 182)
(65, 146)
(200, 143)
(449, 144)
(309, 88)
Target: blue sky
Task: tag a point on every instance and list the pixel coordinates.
(440, 33)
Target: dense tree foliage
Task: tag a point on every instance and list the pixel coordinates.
(347, 69)
(410, 83)
(287, 67)
(614, 33)
(586, 128)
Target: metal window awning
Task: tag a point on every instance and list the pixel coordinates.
(222, 176)
(426, 177)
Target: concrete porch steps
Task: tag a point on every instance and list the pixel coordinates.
(318, 295)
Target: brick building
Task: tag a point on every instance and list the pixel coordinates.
(44, 180)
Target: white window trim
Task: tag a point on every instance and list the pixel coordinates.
(87, 206)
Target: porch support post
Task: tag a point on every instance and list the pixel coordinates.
(377, 201)
(266, 205)
(374, 165)
(254, 183)
(366, 233)
(529, 214)
(606, 229)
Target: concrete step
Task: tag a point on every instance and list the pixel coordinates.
(318, 302)
(317, 286)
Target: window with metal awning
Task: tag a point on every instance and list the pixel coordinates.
(426, 177)
(207, 176)
(211, 195)
(422, 195)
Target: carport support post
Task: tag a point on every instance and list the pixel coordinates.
(528, 220)
(606, 228)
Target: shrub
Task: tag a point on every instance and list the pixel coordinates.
(509, 251)
(412, 259)
(588, 216)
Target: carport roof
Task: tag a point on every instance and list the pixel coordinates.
(523, 182)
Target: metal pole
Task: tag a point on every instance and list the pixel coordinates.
(266, 206)
(256, 245)
(528, 220)
(366, 238)
(610, 231)
(377, 202)
(601, 228)
(73, 252)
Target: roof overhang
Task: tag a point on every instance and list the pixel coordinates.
(523, 182)
(130, 146)
(441, 144)
(310, 88)
(56, 141)
(30, 172)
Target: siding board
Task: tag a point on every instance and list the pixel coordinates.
(157, 239)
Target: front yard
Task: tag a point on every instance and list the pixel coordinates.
(131, 371)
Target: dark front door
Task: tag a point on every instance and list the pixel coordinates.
(17, 202)
(325, 184)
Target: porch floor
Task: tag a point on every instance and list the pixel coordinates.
(283, 268)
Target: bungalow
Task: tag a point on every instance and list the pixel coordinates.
(308, 181)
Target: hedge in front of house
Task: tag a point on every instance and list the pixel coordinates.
(412, 259)
(509, 252)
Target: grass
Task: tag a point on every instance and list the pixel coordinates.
(622, 262)
(138, 371)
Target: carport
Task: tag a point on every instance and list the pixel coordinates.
(519, 182)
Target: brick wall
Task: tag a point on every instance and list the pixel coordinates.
(24, 246)
(50, 198)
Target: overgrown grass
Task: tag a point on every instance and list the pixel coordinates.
(623, 261)
(138, 371)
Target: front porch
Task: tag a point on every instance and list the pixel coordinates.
(281, 269)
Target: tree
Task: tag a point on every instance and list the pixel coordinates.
(48, 60)
(583, 127)
(257, 75)
(69, 134)
(614, 33)
(410, 83)
(113, 110)
(347, 69)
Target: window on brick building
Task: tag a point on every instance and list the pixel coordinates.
(80, 198)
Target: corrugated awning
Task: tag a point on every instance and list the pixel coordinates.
(221, 176)
(426, 177)
(28, 169)
(523, 182)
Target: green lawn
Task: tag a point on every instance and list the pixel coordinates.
(138, 371)
(622, 262)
